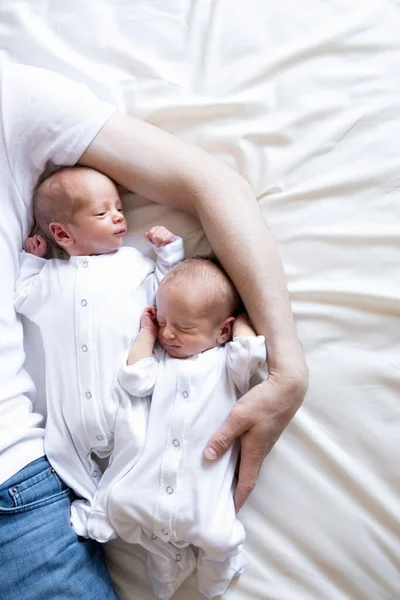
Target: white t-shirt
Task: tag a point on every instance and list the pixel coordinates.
(45, 120)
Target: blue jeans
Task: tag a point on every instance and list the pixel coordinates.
(41, 558)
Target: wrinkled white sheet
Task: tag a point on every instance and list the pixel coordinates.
(303, 98)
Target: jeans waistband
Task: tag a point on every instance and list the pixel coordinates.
(30, 470)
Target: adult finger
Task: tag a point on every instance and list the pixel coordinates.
(234, 426)
(250, 464)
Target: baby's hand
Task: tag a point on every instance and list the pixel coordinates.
(242, 327)
(159, 236)
(148, 320)
(36, 245)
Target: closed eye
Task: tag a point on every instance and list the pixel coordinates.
(100, 214)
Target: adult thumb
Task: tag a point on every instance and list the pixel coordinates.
(223, 439)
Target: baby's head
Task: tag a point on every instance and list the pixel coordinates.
(196, 307)
(80, 209)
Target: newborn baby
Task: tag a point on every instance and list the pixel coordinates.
(171, 496)
(88, 310)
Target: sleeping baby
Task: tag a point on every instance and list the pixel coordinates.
(88, 310)
(170, 497)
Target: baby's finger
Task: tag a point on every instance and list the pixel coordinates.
(164, 236)
(168, 237)
(151, 235)
(37, 242)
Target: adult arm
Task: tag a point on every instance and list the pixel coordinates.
(164, 169)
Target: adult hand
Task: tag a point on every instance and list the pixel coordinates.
(259, 418)
(159, 236)
(36, 245)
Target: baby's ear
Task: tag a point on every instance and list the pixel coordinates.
(61, 235)
(225, 330)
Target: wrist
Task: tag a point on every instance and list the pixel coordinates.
(289, 369)
(146, 331)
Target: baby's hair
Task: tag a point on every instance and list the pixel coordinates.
(217, 287)
(58, 197)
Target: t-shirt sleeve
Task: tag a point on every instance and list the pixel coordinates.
(48, 120)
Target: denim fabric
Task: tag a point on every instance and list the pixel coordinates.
(41, 558)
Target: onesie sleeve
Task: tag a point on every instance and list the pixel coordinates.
(245, 356)
(168, 256)
(29, 288)
(139, 379)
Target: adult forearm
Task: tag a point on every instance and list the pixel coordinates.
(237, 232)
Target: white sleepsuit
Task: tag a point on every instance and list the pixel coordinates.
(88, 310)
(171, 496)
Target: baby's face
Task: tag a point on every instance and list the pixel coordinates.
(183, 331)
(99, 226)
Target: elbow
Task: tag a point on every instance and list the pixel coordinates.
(242, 183)
(239, 183)
(216, 182)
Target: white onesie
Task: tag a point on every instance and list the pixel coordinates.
(172, 497)
(88, 310)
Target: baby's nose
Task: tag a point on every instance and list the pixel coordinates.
(118, 216)
(168, 333)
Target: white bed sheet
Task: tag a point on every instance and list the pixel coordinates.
(304, 100)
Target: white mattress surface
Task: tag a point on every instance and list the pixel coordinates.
(303, 98)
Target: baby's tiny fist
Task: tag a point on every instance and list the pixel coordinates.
(159, 236)
(36, 245)
(148, 320)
